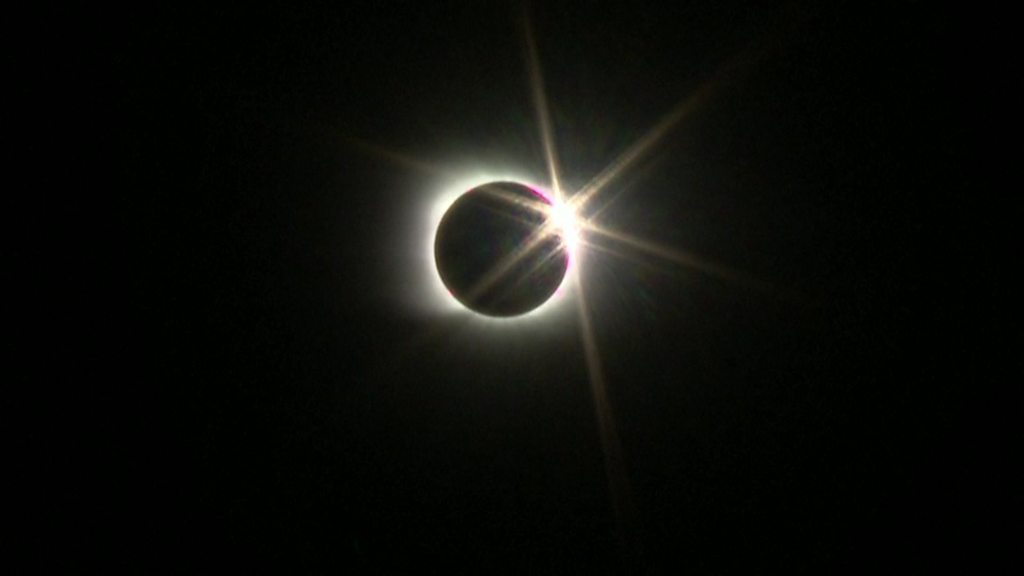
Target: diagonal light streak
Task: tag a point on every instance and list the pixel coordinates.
(518, 200)
(743, 62)
(619, 490)
(540, 103)
(540, 263)
(544, 232)
(396, 157)
(642, 146)
(595, 247)
(506, 265)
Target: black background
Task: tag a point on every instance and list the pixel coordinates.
(226, 374)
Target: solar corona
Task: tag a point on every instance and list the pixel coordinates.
(504, 248)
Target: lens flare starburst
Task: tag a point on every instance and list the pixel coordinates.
(574, 217)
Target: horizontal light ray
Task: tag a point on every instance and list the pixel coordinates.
(540, 103)
(678, 256)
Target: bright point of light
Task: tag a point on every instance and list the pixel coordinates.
(567, 223)
(562, 217)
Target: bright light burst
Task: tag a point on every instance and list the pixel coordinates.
(573, 216)
(563, 222)
(569, 226)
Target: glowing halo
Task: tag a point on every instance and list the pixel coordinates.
(443, 302)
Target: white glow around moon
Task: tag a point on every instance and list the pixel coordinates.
(441, 301)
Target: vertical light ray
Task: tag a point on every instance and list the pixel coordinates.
(619, 490)
(540, 103)
(618, 485)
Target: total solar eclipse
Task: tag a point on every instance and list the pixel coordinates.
(501, 249)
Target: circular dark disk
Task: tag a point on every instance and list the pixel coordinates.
(495, 253)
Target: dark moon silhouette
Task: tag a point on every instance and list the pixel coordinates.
(496, 251)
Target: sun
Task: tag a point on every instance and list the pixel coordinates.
(575, 217)
(562, 221)
(568, 225)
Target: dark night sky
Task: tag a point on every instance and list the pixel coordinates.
(239, 383)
